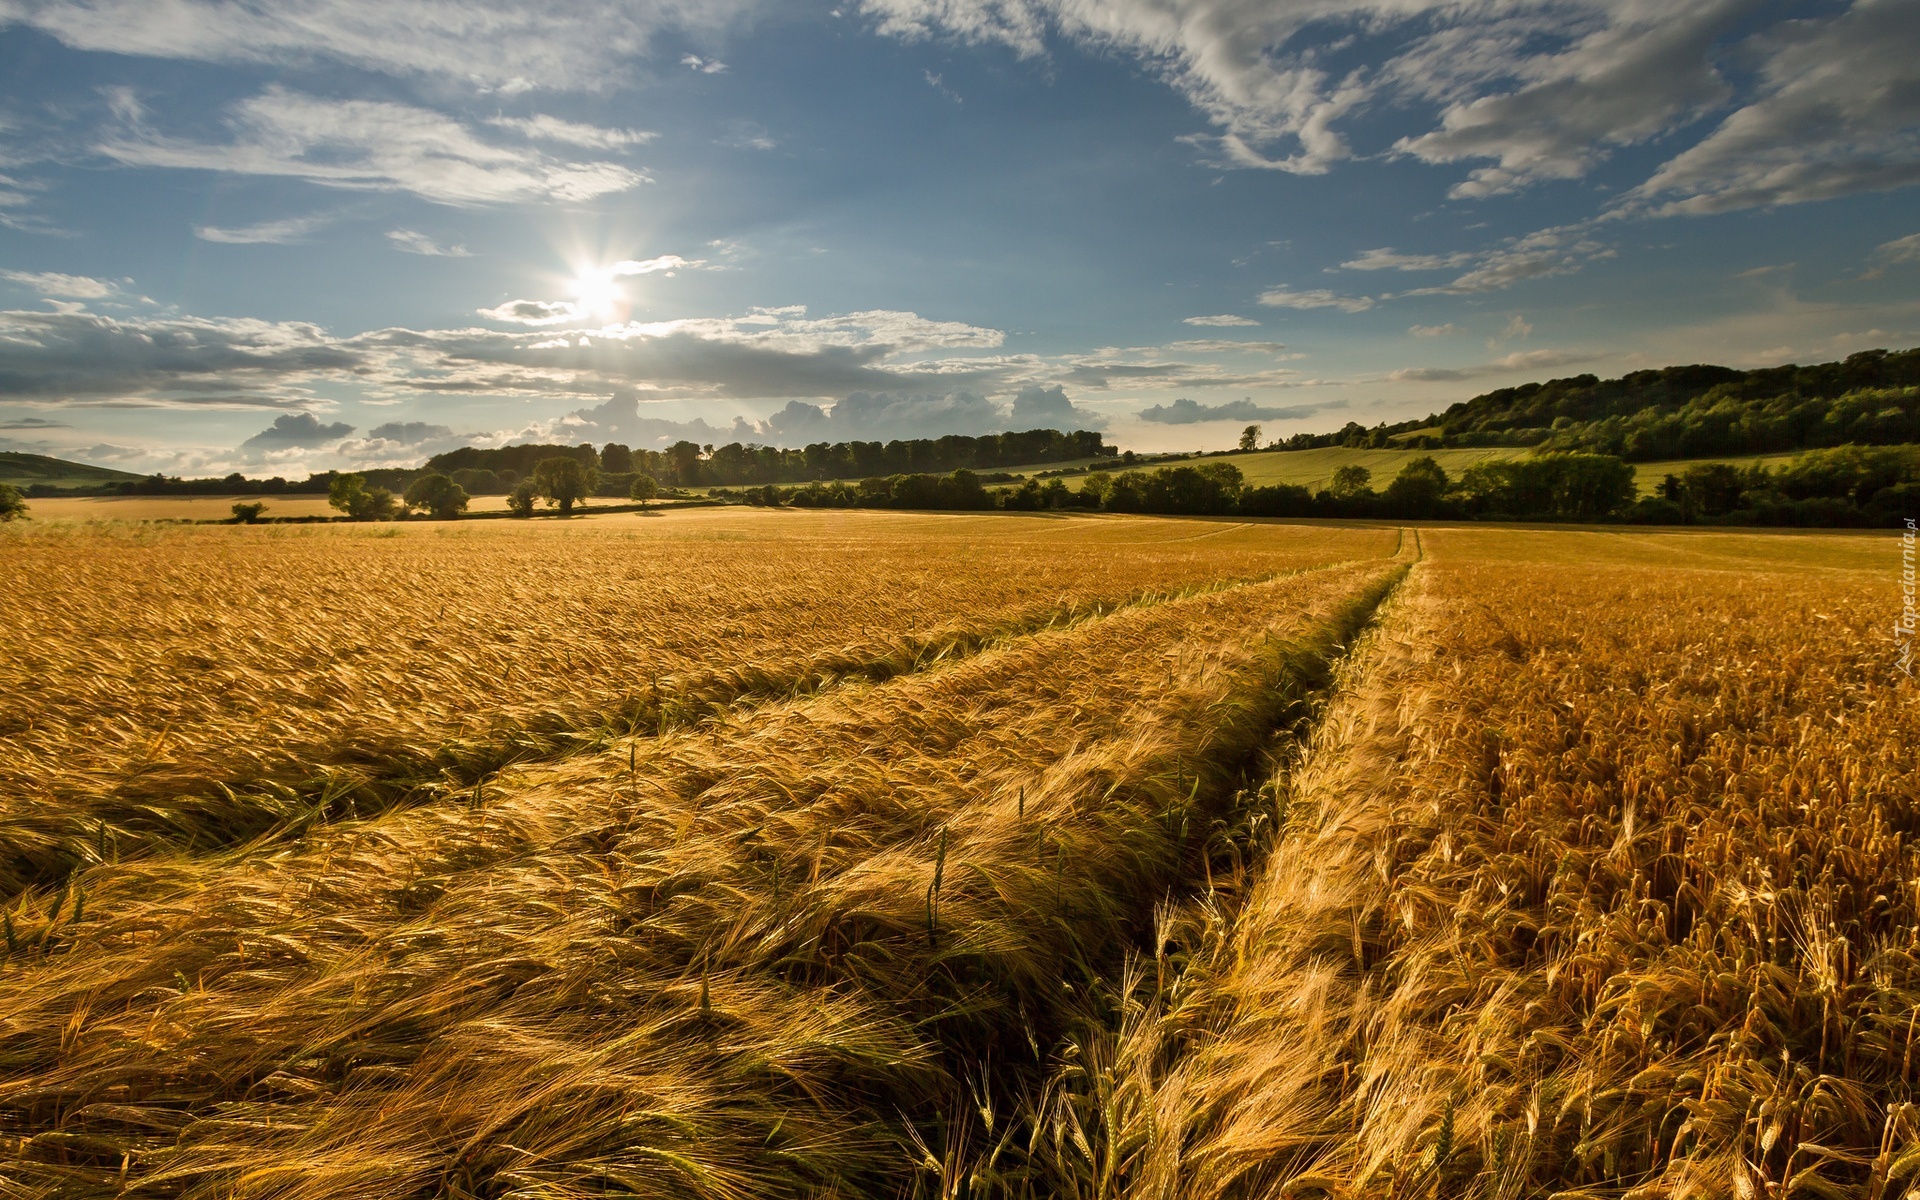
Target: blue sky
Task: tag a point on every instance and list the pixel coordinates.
(279, 237)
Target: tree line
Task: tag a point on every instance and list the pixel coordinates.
(1847, 486)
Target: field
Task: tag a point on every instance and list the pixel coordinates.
(737, 853)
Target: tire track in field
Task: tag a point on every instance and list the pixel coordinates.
(46, 848)
(785, 1038)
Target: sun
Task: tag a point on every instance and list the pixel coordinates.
(598, 293)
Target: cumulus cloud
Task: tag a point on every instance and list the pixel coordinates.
(71, 287)
(1284, 297)
(534, 312)
(1037, 407)
(861, 416)
(504, 45)
(415, 242)
(368, 145)
(1223, 319)
(1192, 412)
(552, 129)
(1527, 360)
(296, 431)
(288, 229)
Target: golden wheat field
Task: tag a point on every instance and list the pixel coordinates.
(730, 854)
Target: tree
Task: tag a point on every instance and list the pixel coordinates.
(1351, 482)
(245, 513)
(13, 506)
(644, 489)
(563, 481)
(520, 499)
(437, 494)
(1250, 438)
(351, 495)
(616, 459)
(1419, 489)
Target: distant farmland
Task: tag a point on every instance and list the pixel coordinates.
(731, 853)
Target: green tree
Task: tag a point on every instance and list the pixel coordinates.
(13, 506)
(351, 495)
(520, 499)
(644, 489)
(437, 494)
(616, 459)
(245, 513)
(1419, 489)
(564, 482)
(1351, 482)
(1250, 438)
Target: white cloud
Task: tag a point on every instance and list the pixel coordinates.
(706, 66)
(553, 129)
(415, 242)
(1527, 360)
(1839, 113)
(1433, 331)
(1900, 250)
(1226, 346)
(290, 229)
(371, 145)
(72, 287)
(1385, 259)
(1223, 319)
(1283, 297)
(535, 312)
(647, 266)
(499, 44)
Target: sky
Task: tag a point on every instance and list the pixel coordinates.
(279, 236)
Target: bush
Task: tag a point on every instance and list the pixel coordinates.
(13, 506)
(644, 489)
(438, 495)
(245, 513)
(520, 499)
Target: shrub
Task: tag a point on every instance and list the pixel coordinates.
(248, 513)
(12, 504)
(520, 499)
(351, 495)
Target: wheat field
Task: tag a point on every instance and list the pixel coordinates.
(741, 854)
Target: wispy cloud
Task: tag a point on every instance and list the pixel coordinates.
(1222, 319)
(1192, 412)
(1528, 360)
(553, 129)
(414, 242)
(1284, 297)
(1385, 259)
(369, 145)
(70, 287)
(289, 229)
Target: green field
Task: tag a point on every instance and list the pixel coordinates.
(25, 470)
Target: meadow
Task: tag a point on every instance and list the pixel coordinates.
(733, 853)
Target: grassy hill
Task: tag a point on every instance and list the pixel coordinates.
(25, 470)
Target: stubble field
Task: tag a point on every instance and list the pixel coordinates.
(773, 854)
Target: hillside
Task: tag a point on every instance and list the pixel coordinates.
(1699, 411)
(25, 470)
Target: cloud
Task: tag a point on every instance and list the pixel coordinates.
(291, 431)
(182, 362)
(1037, 407)
(1223, 319)
(370, 145)
(1284, 297)
(647, 266)
(410, 433)
(535, 312)
(289, 229)
(53, 283)
(1385, 259)
(592, 137)
(414, 242)
(23, 423)
(1643, 71)
(1226, 346)
(1899, 250)
(1838, 113)
(1191, 412)
(503, 45)
(706, 66)
(1432, 331)
(1528, 360)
